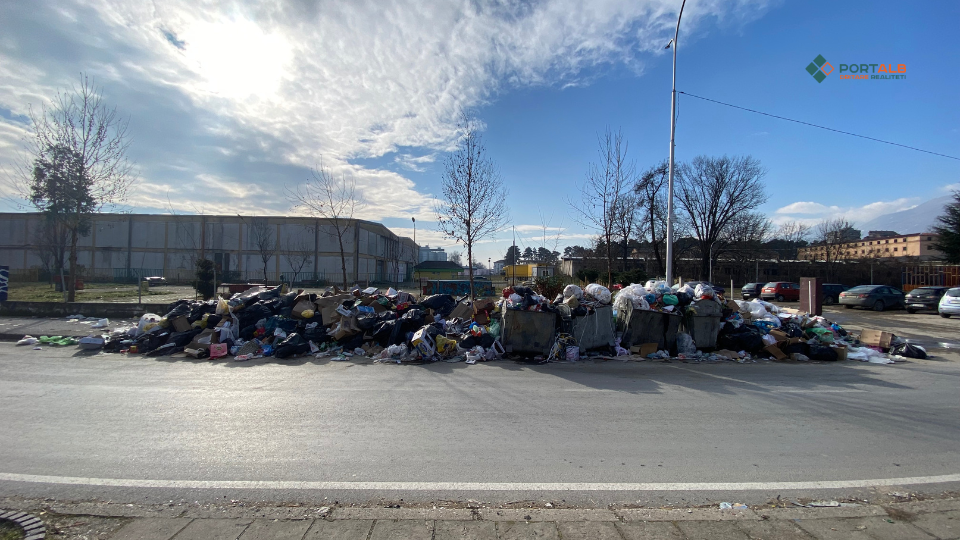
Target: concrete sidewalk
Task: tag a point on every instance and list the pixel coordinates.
(896, 521)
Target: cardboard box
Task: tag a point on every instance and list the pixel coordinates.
(775, 352)
(841, 352)
(179, 324)
(779, 336)
(202, 340)
(482, 318)
(733, 355)
(644, 349)
(328, 307)
(876, 338)
(731, 304)
(483, 305)
(464, 310)
(301, 304)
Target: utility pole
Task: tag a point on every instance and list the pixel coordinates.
(673, 129)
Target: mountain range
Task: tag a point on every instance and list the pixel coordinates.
(920, 218)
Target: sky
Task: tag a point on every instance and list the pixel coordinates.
(229, 103)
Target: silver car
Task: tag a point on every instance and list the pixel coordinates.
(950, 303)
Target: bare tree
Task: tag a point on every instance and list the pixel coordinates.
(264, 240)
(474, 197)
(713, 192)
(793, 231)
(602, 190)
(455, 257)
(74, 163)
(333, 199)
(649, 188)
(832, 235)
(628, 223)
(297, 254)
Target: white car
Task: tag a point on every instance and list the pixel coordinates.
(950, 303)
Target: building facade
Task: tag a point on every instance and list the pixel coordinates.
(882, 245)
(428, 253)
(273, 248)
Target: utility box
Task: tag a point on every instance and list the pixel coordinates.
(811, 295)
(594, 330)
(528, 331)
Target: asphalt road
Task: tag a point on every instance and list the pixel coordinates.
(142, 429)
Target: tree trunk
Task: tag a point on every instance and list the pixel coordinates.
(473, 295)
(653, 241)
(704, 260)
(71, 284)
(609, 263)
(343, 259)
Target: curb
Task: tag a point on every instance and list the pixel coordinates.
(33, 528)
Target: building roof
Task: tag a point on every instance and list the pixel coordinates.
(438, 265)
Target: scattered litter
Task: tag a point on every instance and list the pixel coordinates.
(28, 340)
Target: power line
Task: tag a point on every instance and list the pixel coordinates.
(818, 126)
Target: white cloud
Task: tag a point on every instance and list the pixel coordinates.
(279, 83)
(813, 212)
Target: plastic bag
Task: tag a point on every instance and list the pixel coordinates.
(908, 350)
(574, 291)
(685, 344)
(704, 291)
(598, 292)
(28, 340)
(147, 319)
(222, 307)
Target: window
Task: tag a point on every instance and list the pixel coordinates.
(929, 238)
(894, 249)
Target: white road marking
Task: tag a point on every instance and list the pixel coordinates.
(476, 486)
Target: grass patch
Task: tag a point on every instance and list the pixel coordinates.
(9, 531)
(45, 292)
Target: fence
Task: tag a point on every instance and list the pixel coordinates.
(929, 275)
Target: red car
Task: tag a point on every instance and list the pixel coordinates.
(781, 291)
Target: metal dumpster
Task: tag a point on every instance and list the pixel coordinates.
(641, 326)
(528, 331)
(594, 330)
(703, 323)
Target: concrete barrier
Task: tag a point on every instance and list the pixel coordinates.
(88, 309)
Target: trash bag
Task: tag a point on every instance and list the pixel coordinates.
(823, 353)
(178, 309)
(251, 314)
(411, 321)
(384, 333)
(685, 344)
(746, 338)
(289, 299)
(791, 329)
(441, 304)
(574, 291)
(182, 339)
(598, 292)
(292, 345)
(908, 350)
(367, 321)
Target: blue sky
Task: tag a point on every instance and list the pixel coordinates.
(229, 102)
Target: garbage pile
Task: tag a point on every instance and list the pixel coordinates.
(390, 326)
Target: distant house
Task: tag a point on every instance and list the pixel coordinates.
(498, 266)
(428, 253)
(437, 270)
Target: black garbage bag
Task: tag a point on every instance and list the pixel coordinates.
(383, 331)
(486, 341)
(270, 293)
(287, 300)
(182, 339)
(349, 343)
(251, 314)
(367, 321)
(213, 320)
(798, 348)
(441, 304)
(199, 309)
(246, 332)
(317, 334)
(411, 321)
(909, 351)
(151, 340)
(747, 338)
(292, 345)
(683, 298)
(792, 329)
(522, 291)
(823, 353)
(469, 341)
(178, 309)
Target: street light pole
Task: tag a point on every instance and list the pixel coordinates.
(673, 129)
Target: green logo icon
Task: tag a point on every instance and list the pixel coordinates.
(819, 68)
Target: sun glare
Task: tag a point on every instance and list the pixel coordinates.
(237, 59)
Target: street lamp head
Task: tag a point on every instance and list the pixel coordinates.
(413, 219)
(669, 43)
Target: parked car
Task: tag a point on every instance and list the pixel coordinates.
(693, 285)
(924, 298)
(876, 297)
(155, 280)
(751, 290)
(831, 293)
(950, 303)
(781, 291)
